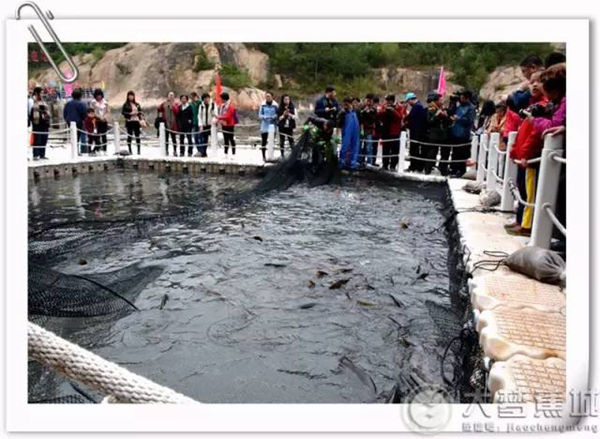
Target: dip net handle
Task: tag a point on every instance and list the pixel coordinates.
(95, 372)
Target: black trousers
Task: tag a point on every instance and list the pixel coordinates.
(133, 130)
(264, 139)
(445, 155)
(460, 153)
(416, 152)
(190, 142)
(102, 128)
(391, 146)
(94, 142)
(40, 140)
(430, 153)
(173, 137)
(228, 139)
(285, 133)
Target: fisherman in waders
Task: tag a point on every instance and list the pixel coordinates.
(350, 125)
(323, 140)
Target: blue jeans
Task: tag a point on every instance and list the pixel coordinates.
(368, 146)
(197, 137)
(82, 141)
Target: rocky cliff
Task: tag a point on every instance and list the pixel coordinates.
(154, 69)
(501, 82)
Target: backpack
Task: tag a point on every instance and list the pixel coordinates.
(236, 116)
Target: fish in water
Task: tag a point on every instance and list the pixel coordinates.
(422, 276)
(307, 305)
(365, 303)
(344, 270)
(163, 301)
(274, 264)
(397, 302)
(346, 364)
(321, 273)
(82, 261)
(395, 321)
(339, 284)
(258, 238)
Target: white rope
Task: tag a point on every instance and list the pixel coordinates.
(436, 160)
(497, 177)
(517, 195)
(548, 208)
(51, 132)
(443, 145)
(95, 372)
(558, 158)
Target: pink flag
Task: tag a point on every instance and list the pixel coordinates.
(442, 82)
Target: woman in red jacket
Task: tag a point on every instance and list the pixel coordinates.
(228, 119)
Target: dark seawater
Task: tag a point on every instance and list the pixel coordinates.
(251, 316)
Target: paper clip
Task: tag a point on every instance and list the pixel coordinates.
(74, 70)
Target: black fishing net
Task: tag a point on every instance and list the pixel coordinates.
(56, 294)
(58, 300)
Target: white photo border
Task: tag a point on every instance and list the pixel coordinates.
(279, 417)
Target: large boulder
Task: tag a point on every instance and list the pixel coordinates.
(401, 80)
(502, 81)
(151, 70)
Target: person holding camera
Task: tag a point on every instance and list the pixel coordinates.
(460, 132)
(368, 121)
(327, 106)
(392, 117)
(438, 123)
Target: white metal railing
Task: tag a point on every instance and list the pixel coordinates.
(498, 171)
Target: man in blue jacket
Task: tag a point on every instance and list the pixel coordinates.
(76, 111)
(417, 124)
(529, 66)
(327, 106)
(267, 114)
(460, 132)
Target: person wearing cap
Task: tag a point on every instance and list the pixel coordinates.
(460, 132)
(438, 122)
(416, 121)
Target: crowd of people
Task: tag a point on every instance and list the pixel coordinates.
(440, 130)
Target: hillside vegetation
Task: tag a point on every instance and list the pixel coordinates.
(349, 65)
